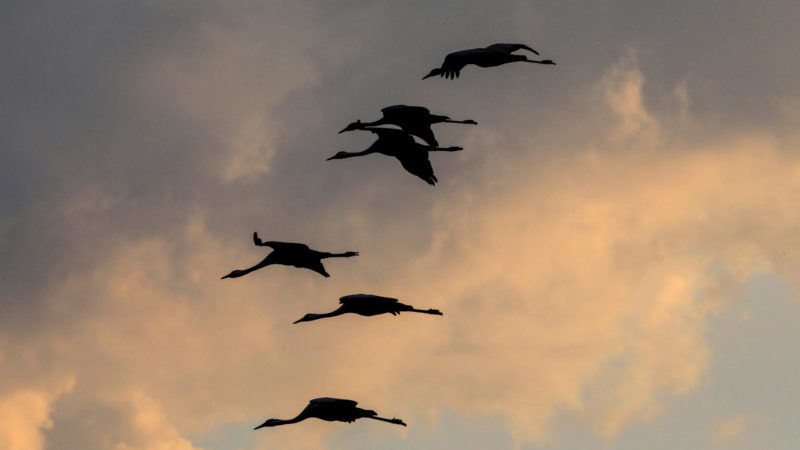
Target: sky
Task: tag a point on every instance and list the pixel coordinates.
(615, 250)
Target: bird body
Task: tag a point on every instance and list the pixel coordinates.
(368, 305)
(401, 145)
(415, 120)
(291, 254)
(491, 56)
(331, 409)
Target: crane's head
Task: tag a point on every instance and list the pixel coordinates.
(235, 274)
(357, 125)
(270, 423)
(433, 73)
(307, 318)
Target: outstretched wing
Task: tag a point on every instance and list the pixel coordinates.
(355, 299)
(404, 112)
(330, 401)
(286, 246)
(415, 161)
(508, 48)
(454, 62)
(390, 133)
(392, 139)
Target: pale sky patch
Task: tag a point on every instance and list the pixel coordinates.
(730, 430)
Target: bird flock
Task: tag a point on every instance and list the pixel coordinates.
(413, 156)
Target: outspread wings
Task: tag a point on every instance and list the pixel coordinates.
(355, 299)
(508, 48)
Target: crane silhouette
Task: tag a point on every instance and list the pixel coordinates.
(331, 409)
(291, 254)
(491, 56)
(401, 145)
(416, 120)
(368, 305)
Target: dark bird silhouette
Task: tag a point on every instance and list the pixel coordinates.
(416, 120)
(412, 155)
(368, 305)
(491, 56)
(291, 254)
(331, 409)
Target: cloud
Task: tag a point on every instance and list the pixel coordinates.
(579, 287)
(730, 430)
(25, 414)
(576, 259)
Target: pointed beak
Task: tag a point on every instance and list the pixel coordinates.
(298, 320)
(226, 276)
(260, 426)
(332, 157)
(343, 130)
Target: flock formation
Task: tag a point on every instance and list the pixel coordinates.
(413, 156)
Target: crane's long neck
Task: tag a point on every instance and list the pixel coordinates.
(309, 317)
(242, 272)
(380, 121)
(276, 422)
(342, 155)
(264, 263)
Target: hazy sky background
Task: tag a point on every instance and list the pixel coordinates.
(615, 251)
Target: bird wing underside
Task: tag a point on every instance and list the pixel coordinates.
(454, 62)
(328, 408)
(508, 48)
(356, 299)
(391, 133)
(404, 110)
(286, 246)
(332, 400)
(315, 265)
(416, 162)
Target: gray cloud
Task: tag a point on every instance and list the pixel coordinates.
(137, 139)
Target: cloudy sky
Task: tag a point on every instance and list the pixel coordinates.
(615, 251)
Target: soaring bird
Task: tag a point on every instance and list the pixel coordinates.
(368, 305)
(416, 120)
(291, 254)
(412, 156)
(491, 56)
(331, 409)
